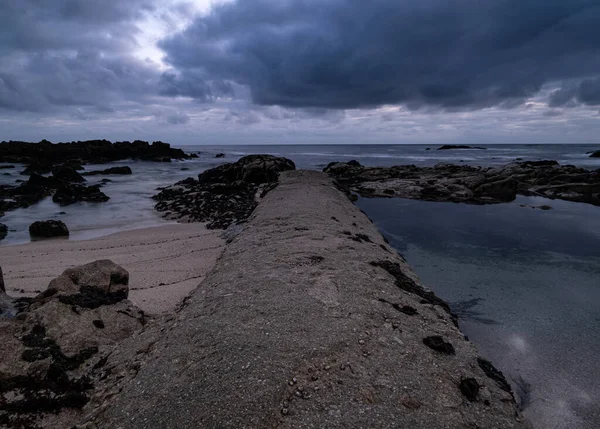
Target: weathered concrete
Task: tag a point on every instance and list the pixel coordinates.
(302, 325)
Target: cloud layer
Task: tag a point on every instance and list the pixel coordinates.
(352, 53)
(525, 70)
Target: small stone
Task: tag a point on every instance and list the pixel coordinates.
(327, 367)
(284, 411)
(361, 341)
(295, 380)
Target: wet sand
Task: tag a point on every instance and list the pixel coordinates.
(165, 263)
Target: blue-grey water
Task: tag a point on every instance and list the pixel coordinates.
(525, 282)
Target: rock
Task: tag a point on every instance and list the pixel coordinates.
(595, 154)
(48, 228)
(53, 352)
(193, 155)
(89, 286)
(3, 231)
(251, 169)
(112, 170)
(438, 344)
(545, 207)
(2, 287)
(452, 146)
(224, 195)
(41, 157)
(469, 387)
(37, 167)
(66, 174)
(474, 185)
(3, 167)
(70, 194)
(220, 155)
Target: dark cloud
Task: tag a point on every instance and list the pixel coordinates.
(355, 53)
(585, 92)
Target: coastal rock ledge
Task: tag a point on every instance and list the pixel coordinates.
(309, 320)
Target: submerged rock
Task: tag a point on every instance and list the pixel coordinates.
(67, 174)
(48, 229)
(70, 194)
(112, 170)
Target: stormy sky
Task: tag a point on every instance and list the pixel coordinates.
(301, 71)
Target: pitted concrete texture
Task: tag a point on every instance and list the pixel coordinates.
(310, 320)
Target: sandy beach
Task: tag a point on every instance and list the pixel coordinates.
(165, 263)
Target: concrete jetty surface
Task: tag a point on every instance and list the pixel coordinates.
(310, 320)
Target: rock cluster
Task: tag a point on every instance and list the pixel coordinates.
(65, 183)
(55, 345)
(40, 157)
(223, 195)
(476, 185)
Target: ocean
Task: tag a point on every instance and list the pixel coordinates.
(524, 282)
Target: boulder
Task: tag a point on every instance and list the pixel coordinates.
(48, 229)
(89, 286)
(112, 170)
(55, 350)
(65, 173)
(595, 154)
(252, 169)
(3, 231)
(220, 155)
(70, 194)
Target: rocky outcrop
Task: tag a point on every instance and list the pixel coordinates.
(475, 185)
(459, 146)
(40, 157)
(48, 229)
(223, 195)
(112, 170)
(55, 347)
(220, 155)
(310, 320)
(64, 183)
(70, 194)
(3, 231)
(64, 173)
(595, 154)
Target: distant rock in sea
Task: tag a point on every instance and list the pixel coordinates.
(595, 154)
(452, 146)
(48, 229)
(220, 155)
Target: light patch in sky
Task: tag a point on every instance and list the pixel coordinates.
(171, 17)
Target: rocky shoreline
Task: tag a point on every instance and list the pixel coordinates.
(65, 162)
(473, 185)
